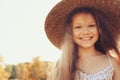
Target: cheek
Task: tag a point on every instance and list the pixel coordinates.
(75, 36)
(75, 33)
(95, 31)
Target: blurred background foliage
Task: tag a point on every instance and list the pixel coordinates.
(35, 70)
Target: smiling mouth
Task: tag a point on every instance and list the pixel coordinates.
(86, 38)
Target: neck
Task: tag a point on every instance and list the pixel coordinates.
(84, 52)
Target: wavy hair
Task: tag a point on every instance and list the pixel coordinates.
(65, 68)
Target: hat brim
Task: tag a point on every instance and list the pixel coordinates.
(55, 21)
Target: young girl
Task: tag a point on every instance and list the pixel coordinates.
(87, 34)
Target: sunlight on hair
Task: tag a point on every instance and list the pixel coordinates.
(112, 53)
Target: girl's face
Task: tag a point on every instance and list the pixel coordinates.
(84, 29)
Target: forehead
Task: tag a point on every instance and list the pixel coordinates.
(83, 16)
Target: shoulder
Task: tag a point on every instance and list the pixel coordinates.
(115, 62)
(116, 66)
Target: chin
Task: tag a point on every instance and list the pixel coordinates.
(86, 46)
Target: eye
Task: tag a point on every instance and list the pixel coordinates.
(77, 27)
(92, 25)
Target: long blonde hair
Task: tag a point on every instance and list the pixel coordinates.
(65, 66)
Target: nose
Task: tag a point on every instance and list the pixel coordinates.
(85, 32)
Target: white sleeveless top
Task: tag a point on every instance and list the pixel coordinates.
(104, 74)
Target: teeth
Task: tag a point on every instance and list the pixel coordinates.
(87, 38)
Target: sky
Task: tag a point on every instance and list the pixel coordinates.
(22, 35)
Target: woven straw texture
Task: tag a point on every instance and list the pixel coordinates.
(54, 24)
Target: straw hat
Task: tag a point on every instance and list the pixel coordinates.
(54, 24)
